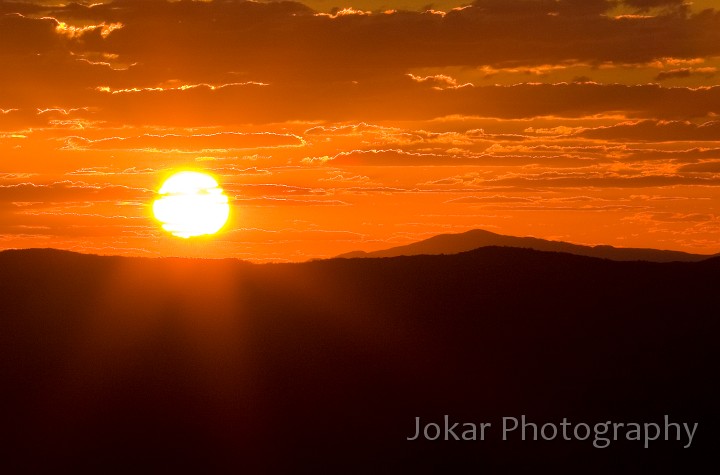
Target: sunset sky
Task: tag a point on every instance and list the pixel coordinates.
(361, 125)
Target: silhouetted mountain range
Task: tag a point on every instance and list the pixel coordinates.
(130, 365)
(476, 238)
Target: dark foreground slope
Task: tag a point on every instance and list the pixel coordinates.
(113, 365)
(476, 238)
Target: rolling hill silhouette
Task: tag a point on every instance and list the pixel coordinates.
(131, 365)
(476, 238)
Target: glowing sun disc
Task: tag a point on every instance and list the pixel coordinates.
(191, 204)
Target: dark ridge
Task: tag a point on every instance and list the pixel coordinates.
(43, 252)
(124, 365)
(455, 243)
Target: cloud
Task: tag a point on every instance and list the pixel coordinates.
(350, 129)
(383, 135)
(646, 181)
(275, 201)
(702, 167)
(656, 131)
(708, 73)
(246, 191)
(191, 63)
(109, 171)
(647, 5)
(188, 143)
(487, 26)
(490, 199)
(15, 176)
(193, 41)
(69, 191)
(535, 8)
(690, 155)
(340, 178)
(401, 99)
(670, 217)
(20, 35)
(372, 157)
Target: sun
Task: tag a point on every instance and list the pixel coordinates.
(191, 204)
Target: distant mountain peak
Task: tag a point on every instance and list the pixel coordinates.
(476, 238)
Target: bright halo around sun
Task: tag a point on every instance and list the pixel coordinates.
(191, 204)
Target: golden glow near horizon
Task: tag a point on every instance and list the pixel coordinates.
(191, 204)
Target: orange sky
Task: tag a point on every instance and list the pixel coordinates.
(361, 127)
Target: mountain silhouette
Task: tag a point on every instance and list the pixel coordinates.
(136, 365)
(476, 238)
